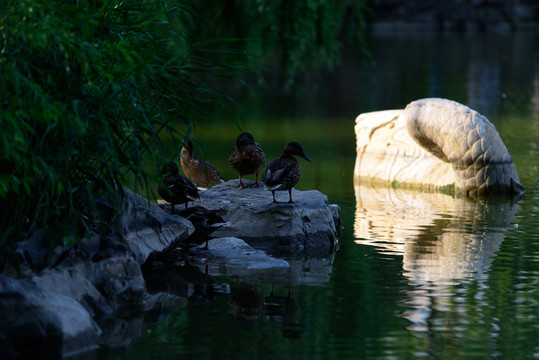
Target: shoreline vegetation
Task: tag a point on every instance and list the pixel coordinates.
(90, 91)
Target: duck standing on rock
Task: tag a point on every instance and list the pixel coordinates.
(284, 173)
(247, 158)
(201, 172)
(175, 188)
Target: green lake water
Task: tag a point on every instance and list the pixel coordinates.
(416, 275)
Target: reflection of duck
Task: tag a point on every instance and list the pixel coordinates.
(246, 303)
(199, 171)
(175, 188)
(247, 158)
(284, 173)
(206, 221)
(164, 276)
(283, 310)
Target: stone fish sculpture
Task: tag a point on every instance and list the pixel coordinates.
(434, 144)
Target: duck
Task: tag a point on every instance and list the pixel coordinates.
(176, 188)
(200, 172)
(284, 173)
(247, 158)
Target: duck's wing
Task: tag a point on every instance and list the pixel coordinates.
(234, 158)
(183, 185)
(211, 175)
(210, 168)
(261, 156)
(275, 174)
(171, 190)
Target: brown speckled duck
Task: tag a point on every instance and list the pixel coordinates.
(175, 188)
(247, 158)
(201, 172)
(284, 173)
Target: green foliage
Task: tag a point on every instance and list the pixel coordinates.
(88, 89)
(293, 38)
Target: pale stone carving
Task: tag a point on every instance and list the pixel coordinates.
(434, 144)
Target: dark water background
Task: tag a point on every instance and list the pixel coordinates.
(417, 275)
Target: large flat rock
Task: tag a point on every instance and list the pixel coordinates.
(310, 224)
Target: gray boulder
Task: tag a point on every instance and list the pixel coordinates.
(42, 324)
(146, 228)
(310, 224)
(59, 311)
(100, 287)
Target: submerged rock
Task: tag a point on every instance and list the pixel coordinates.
(232, 256)
(231, 252)
(250, 214)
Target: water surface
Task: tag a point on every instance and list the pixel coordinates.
(417, 275)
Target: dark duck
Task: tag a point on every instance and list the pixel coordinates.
(175, 188)
(284, 173)
(247, 158)
(201, 172)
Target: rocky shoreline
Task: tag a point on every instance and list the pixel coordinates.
(99, 293)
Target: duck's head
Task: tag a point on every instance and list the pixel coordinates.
(189, 146)
(170, 169)
(244, 139)
(293, 148)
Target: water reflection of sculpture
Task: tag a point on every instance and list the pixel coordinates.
(433, 145)
(441, 238)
